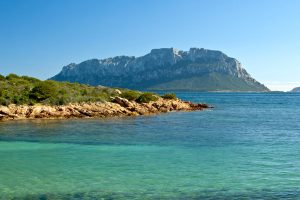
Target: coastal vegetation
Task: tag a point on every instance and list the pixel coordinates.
(24, 90)
(169, 96)
(130, 95)
(146, 97)
(23, 97)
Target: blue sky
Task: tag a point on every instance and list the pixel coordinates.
(38, 37)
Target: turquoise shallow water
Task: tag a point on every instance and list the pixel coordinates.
(247, 147)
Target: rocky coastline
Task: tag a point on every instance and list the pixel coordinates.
(119, 107)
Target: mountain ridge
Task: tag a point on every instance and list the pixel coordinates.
(164, 65)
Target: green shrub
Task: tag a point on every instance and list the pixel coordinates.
(146, 97)
(12, 76)
(2, 78)
(30, 103)
(62, 92)
(30, 79)
(84, 92)
(43, 91)
(60, 101)
(130, 95)
(4, 102)
(16, 100)
(169, 96)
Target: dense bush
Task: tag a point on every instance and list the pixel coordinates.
(146, 97)
(169, 96)
(43, 91)
(2, 78)
(4, 102)
(31, 79)
(131, 95)
(12, 76)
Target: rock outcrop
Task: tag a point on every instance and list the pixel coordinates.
(165, 69)
(118, 108)
(297, 89)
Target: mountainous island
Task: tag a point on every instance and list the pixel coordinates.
(165, 69)
(297, 89)
(23, 97)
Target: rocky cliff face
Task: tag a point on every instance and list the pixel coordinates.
(166, 68)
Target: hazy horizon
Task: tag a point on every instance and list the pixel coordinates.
(39, 37)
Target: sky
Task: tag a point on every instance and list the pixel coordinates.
(39, 37)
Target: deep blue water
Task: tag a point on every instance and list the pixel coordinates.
(247, 147)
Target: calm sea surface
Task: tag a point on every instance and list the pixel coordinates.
(247, 147)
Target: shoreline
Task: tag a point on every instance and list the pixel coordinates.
(120, 107)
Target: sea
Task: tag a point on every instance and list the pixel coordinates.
(246, 147)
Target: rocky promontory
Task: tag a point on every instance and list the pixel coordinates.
(197, 69)
(117, 108)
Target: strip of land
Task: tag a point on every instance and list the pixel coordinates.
(23, 97)
(118, 108)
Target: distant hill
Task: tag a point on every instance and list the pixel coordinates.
(297, 89)
(165, 69)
